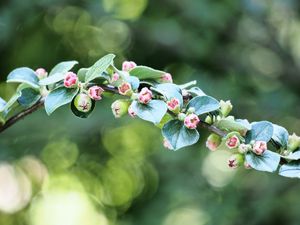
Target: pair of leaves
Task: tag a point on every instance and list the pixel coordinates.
(177, 134)
(268, 162)
(169, 91)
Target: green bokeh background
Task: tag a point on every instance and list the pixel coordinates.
(100, 170)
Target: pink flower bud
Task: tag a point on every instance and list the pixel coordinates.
(235, 161)
(120, 107)
(213, 142)
(128, 65)
(167, 144)
(71, 80)
(95, 92)
(41, 73)
(131, 112)
(115, 77)
(259, 147)
(191, 121)
(232, 142)
(125, 89)
(145, 96)
(247, 165)
(166, 78)
(173, 105)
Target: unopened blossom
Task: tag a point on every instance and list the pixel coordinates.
(71, 80)
(174, 105)
(120, 108)
(125, 89)
(145, 96)
(167, 144)
(232, 142)
(243, 148)
(247, 165)
(115, 77)
(213, 142)
(95, 92)
(41, 73)
(235, 161)
(83, 102)
(131, 112)
(191, 121)
(166, 78)
(225, 107)
(294, 142)
(259, 147)
(128, 65)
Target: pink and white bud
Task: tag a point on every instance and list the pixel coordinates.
(83, 102)
(191, 121)
(232, 142)
(71, 80)
(95, 92)
(174, 105)
(145, 96)
(115, 77)
(166, 78)
(247, 165)
(167, 144)
(235, 161)
(125, 89)
(131, 113)
(120, 108)
(41, 73)
(259, 147)
(128, 65)
(213, 142)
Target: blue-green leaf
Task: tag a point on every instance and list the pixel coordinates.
(169, 91)
(52, 79)
(268, 162)
(178, 135)
(229, 124)
(24, 75)
(293, 155)
(63, 67)
(290, 170)
(2, 116)
(59, 97)
(134, 82)
(2, 104)
(153, 112)
(261, 131)
(280, 135)
(204, 104)
(144, 72)
(99, 67)
(28, 97)
(196, 91)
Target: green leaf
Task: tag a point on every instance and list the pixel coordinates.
(134, 82)
(99, 67)
(59, 97)
(82, 73)
(290, 170)
(52, 79)
(144, 72)
(2, 104)
(196, 91)
(178, 135)
(261, 131)
(293, 155)
(169, 91)
(28, 97)
(229, 124)
(203, 104)
(280, 135)
(24, 75)
(268, 162)
(63, 67)
(153, 112)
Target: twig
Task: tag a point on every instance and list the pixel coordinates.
(107, 88)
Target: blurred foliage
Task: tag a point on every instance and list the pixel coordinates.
(64, 170)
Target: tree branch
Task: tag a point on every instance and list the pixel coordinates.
(107, 88)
